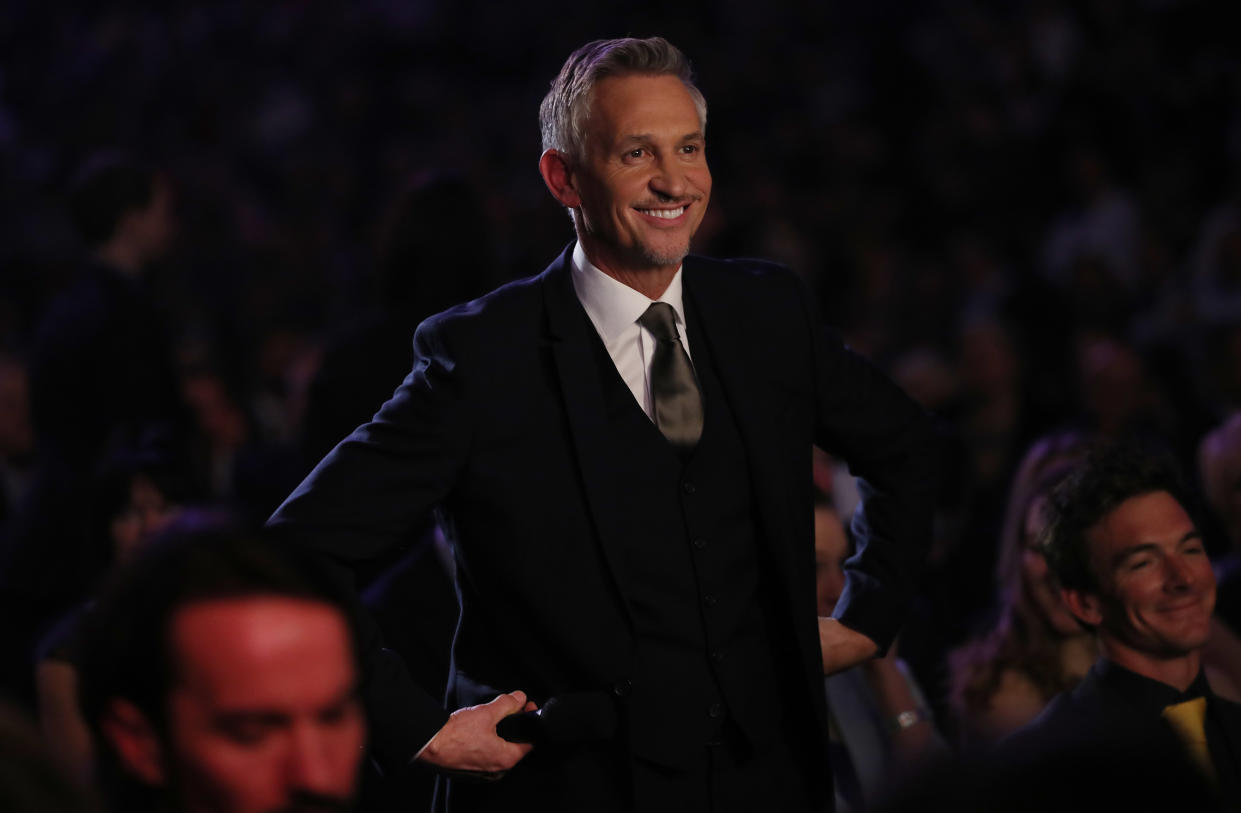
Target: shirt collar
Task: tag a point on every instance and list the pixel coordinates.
(1145, 693)
(612, 305)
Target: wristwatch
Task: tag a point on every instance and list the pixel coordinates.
(907, 719)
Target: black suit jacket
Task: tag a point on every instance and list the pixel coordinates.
(1114, 714)
(501, 424)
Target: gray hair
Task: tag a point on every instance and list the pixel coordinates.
(565, 108)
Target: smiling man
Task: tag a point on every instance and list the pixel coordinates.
(1132, 567)
(621, 448)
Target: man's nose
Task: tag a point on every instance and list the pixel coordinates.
(669, 180)
(1179, 574)
(311, 766)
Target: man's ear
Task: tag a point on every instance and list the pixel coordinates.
(1084, 606)
(134, 739)
(558, 175)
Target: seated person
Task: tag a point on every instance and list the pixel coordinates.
(136, 493)
(1132, 567)
(1003, 678)
(220, 676)
(1219, 471)
(878, 718)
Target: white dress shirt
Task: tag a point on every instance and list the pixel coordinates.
(614, 309)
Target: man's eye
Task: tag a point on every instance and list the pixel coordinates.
(249, 732)
(337, 715)
(246, 734)
(690, 149)
(1138, 564)
(635, 154)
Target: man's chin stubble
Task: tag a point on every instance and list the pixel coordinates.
(644, 255)
(656, 259)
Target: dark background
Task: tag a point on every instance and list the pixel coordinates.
(886, 149)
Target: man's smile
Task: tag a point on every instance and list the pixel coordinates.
(1191, 605)
(665, 214)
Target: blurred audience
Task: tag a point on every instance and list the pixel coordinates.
(16, 434)
(102, 358)
(434, 251)
(234, 462)
(101, 371)
(136, 494)
(1219, 472)
(1216, 265)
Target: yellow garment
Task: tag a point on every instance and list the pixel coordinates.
(1187, 720)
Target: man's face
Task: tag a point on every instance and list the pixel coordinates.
(140, 520)
(265, 714)
(1156, 586)
(642, 180)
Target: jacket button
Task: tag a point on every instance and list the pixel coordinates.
(622, 688)
(715, 711)
(699, 542)
(708, 600)
(688, 487)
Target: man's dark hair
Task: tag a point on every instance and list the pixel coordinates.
(108, 187)
(1108, 475)
(126, 646)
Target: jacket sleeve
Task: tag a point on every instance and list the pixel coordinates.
(366, 497)
(891, 445)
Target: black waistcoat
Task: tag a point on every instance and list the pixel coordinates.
(697, 579)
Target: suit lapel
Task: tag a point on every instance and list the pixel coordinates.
(570, 335)
(741, 365)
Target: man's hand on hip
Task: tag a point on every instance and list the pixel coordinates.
(842, 647)
(468, 743)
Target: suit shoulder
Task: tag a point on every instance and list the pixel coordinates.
(505, 307)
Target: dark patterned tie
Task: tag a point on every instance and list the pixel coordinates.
(678, 401)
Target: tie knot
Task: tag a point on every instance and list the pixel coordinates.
(661, 320)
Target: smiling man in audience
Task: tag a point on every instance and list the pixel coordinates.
(1132, 567)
